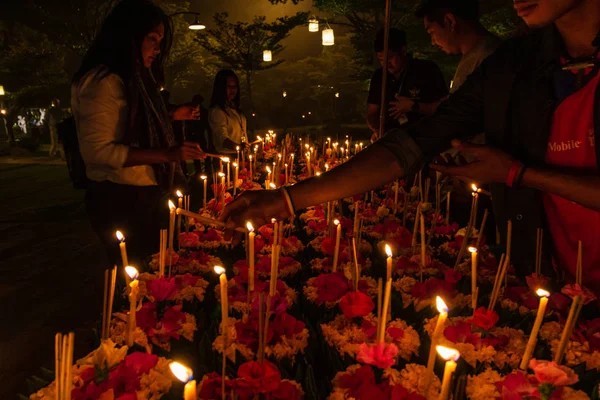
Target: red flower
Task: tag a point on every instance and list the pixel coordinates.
(380, 355)
(484, 318)
(328, 246)
(286, 391)
(368, 328)
(211, 387)
(141, 363)
(371, 391)
(211, 236)
(317, 226)
(254, 377)
(189, 239)
(162, 288)
(286, 325)
(395, 333)
(356, 304)
(559, 302)
(551, 373)
(577, 290)
(404, 263)
(331, 287)
(535, 281)
(515, 386)
(461, 333)
(452, 276)
(182, 281)
(522, 295)
(399, 392)
(247, 333)
(362, 376)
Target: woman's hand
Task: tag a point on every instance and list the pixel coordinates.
(186, 112)
(186, 151)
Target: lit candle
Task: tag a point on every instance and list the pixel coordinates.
(133, 275)
(122, 247)
(235, 176)
(205, 180)
(286, 174)
(224, 299)
(536, 328)
(222, 175)
(250, 167)
(237, 148)
(388, 251)
(473, 251)
(451, 356)
(251, 256)
(272, 186)
(171, 229)
(435, 337)
(179, 205)
(184, 374)
(338, 237)
(382, 321)
(269, 172)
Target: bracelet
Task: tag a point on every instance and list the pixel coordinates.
(514, 170)
(289, 205)
(519, 177)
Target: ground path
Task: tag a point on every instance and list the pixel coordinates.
(51, 267)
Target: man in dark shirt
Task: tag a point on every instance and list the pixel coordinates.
(419, 81)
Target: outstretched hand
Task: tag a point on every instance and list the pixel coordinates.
(255, 206)
(491, 165)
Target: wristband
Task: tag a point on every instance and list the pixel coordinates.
(289, 205)
(513, 172)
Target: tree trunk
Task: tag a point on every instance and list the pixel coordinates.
(249, 89)
(10, 121)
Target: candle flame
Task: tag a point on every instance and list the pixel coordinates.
(181, 372)
(225, 159)
(249, 226)
(306, 145)
(473, 249)
(222, 174)
(268, 169)
(318, 174)
(259, 138)
(312, 148)
(279, 155)
(286, 165)
(441, 305)
(273, 220)
(388, 250)
(179, 194)
(250, 156)
(542, 293)
(474, 187)
(235, 164)
(203, 177)
(120, 236)
(219, 270)
(237, 148)
(447, 353)
(326, 166)
(292, 155)
(271, 131)
(336, 221)
(272, 185)
(171, 205)
(329, 139)
(131, 272)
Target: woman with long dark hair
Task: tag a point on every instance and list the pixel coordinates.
(124, 128)
(226, 119)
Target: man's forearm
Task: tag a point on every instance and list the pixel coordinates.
(583, 190)
(371, 168)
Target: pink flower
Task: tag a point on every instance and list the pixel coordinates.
(576, 290)
(380, 355)
(552, 373)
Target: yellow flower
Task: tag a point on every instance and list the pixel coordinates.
(483, 386)
(572, 394)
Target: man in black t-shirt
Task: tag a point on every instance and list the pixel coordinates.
(414, 87)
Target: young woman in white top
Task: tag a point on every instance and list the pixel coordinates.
(225, 117)
(124, 128)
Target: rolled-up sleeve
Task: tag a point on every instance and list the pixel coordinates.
(100, 110)
(217, 120)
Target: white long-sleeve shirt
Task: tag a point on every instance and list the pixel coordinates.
(102, 116)
(227, 125)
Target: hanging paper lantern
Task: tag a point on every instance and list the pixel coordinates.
(313, 25)
(328, 38)
(267, 55)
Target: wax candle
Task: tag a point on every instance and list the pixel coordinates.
(286, 174)
(223, 189)
(179, 205)
(237, 148)
(205, 182)
(435, 337)
(451, 356)
(268, 173)
(133, 275)
(536, 328)
(473, 251)
(388, 251)
(384, 311)
(224, 299)
(251, 256)
(250, 167)
(338, 237)
(568, 329)
(235, 177)
(184, 374)
(171, 228)
(123, 248)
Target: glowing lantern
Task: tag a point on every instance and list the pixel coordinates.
(267, 56)
(313, 25)
(328, 38)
